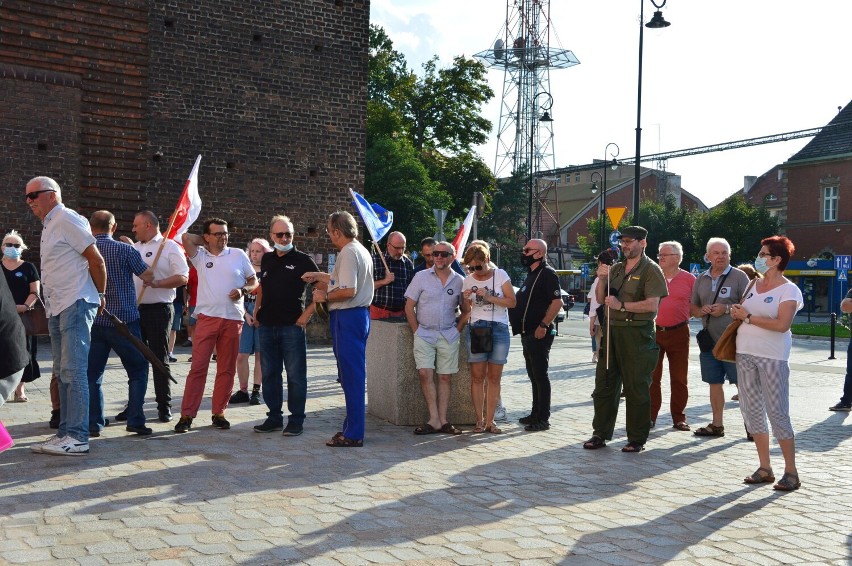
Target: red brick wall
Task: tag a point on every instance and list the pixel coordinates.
(804, 223)
(123, 94)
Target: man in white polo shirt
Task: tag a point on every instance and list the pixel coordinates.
(74, 277)
(224, 275)
(155, 307)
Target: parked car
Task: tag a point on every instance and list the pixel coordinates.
(568, 300)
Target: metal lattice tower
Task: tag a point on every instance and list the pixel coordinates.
(522, 50)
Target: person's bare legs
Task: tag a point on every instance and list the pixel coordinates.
(243, 370)
(717, 403)
(477, 391)
(430, 395)
(444, 388)
(495, 372)
(258, 375)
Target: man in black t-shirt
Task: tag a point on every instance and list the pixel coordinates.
(538, 302)
(280, 311)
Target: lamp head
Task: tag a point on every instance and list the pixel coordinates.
(545, 117)
(594, 188)
(657, 21)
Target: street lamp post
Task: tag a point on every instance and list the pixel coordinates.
(534, 117)
(656, 22)
(608, 161)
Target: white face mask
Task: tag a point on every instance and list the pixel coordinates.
(760, 265)
(282, 248)
(12, 253)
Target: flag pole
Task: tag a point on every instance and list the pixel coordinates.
(381, 256)
(168, 230)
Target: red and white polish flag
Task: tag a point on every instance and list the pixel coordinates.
(460, 241)
(188, 207)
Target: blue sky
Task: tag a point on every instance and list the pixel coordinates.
(721, 72)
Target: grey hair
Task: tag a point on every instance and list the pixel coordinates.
(47, 184)
(448, 244)
(674, 245)
(280, 218)
(15, 234)
(714, 241)
(345, 222)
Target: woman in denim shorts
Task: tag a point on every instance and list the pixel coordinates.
(491, 295)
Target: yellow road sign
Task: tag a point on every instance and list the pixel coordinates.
(616, 213)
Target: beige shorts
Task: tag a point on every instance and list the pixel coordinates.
(441, 356)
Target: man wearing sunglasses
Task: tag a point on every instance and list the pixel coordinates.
(280, 313)
(74, 278)
(629, 355)
(389, 286)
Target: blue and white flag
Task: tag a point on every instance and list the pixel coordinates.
(377, 220)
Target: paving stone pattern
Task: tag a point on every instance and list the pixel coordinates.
(238, 497)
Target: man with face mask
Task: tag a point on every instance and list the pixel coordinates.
(282, 317)
(631, 291)
(537, 303)
(714, 292)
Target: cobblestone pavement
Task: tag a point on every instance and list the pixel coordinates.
(238, 497)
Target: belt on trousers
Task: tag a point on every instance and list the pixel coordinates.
(389, 310)
(665, 328)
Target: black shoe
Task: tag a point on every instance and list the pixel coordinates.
(529, 419)
(219, 421)
(292, 430)
(841, 407)
(537, 426)
(267, 426)
(140, 430)
(94, 433)
(184, 424)
(54, 419)
(255, 397)
(214, 357)
(187, 344)
(239, 397)
(122, 416)
(165, 414)
(172, 359)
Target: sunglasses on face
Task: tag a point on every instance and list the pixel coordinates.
(11, 245)
(475, 267)
(34, 195)
(441, 254)
(282, 234)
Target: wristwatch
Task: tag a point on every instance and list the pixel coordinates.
(622, 309)
(747, 319)
(101, 295)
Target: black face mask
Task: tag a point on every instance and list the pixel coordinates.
(527, 260)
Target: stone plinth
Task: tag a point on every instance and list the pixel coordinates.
(393, 385)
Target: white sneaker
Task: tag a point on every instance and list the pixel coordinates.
(39, 448)
(500, 413)
(68, 446)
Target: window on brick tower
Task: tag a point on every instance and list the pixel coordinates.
(829, 204)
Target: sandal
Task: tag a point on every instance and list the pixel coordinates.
(425, 429)
(761, 475)
(492, 428)
(710, 430)
(343, 442)
(788, 482)
(681, 426)
(594, 443)
(21, 398)
(633, 447)
(450, 429)
(480, 427)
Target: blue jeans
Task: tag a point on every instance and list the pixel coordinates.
(284, 348)
(715, 371)
(70, 339)
(104, 339)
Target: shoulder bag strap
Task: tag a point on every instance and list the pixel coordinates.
(716, 296)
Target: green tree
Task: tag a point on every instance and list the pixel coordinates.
(460, 176)
(398, 181)
(742, 224)
(504, 225)
(666, 221)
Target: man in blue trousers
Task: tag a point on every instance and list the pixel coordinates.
(348, 292)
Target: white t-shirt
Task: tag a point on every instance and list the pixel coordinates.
(353, 269)
(593, 301)
(218, 275)
(171, 262)
(480, 310)
(760, 341)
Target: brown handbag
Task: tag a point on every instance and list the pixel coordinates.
(35, 320)
(725, 349)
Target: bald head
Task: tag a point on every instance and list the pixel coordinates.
(396, 244)
(102, 222)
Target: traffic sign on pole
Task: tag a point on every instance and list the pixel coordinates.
(841, 275)
(843, 262)
(616, 213)
(695, 269)
(613, 238)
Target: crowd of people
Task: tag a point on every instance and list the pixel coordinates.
(104, 295)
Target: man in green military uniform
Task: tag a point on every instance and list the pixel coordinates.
(636, 286)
